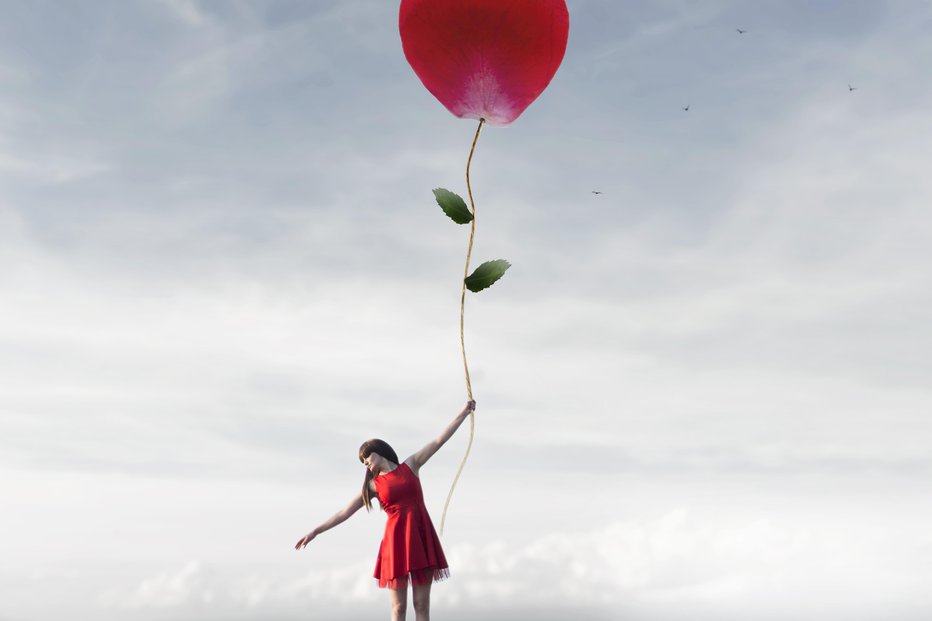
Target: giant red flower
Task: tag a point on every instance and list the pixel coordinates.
(484, 59)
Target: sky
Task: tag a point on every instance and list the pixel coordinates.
(702, 394)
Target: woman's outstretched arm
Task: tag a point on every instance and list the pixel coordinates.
(338, 518)
(421, 457)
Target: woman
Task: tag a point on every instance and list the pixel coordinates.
(410, 550)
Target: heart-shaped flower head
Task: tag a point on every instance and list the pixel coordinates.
(484, 59)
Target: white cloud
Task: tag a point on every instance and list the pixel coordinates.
(51, 168)
(676, 564)
(185, 587)
(188, 11)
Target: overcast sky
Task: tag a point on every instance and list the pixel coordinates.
(703, 394)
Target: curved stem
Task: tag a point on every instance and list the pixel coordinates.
(472, 420)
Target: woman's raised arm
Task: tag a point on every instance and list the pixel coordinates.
(338, 518)
(421, 457)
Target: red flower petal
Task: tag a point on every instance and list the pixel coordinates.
(484, 59)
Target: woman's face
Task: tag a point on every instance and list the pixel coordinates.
(376, 464)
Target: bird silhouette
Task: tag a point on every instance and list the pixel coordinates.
(596, 192)
(740, 31)
(852, 88)
(686, 109)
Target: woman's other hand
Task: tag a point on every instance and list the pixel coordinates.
(303, 541)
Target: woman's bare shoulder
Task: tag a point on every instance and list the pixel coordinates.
(412, 464)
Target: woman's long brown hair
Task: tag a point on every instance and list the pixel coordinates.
(368, 447)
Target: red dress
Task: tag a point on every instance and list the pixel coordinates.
(410, 548)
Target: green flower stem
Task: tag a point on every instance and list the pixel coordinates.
(472, 415)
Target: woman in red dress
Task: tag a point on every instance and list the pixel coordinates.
(410, 550)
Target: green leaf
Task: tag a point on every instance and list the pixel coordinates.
(453, 205)
(486, 275)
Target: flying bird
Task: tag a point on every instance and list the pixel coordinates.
(686, 109)
(852, 88)
(740, 31)
(596, 192)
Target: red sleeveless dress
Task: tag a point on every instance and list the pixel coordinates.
(410, 549)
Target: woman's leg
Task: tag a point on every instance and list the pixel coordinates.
(421, 598)
(399, 603)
